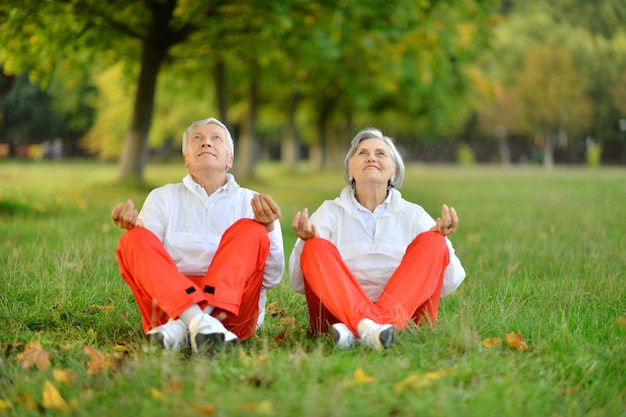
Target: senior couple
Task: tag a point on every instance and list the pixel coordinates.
(201, 254)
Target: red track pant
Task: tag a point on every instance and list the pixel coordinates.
(232, 283)
(334, 295)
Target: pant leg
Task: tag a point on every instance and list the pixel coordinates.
(414, 289)
(233, 281)
(319, 316)
(160, 290)
(333, 284)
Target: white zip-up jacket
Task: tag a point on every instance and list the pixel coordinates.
(372, 257)
(191, 223)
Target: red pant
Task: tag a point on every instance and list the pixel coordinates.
(334, 295)
(232, 283)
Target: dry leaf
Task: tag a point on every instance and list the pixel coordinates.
(440, 374)
(156, 394)
(264, 407)
(287, 321)
(34, 354)
(359, 377)
(64, 376)
(174, 386)
(98, 361)
(52, 400)
(491, 342)
(205, 410)
(27, 401)
(5, 405)
(621, 321)
(516, 341)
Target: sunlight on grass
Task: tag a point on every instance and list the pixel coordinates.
(543, 254)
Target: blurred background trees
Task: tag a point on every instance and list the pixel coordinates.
(474, 80)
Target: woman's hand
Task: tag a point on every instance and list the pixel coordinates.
(447, 223)
(266, 211)
(124, 215)
(301, 226)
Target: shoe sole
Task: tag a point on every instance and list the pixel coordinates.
(208, 344)
(156, 339)
(388, 337)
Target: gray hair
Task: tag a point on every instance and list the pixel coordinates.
(211, 120)
(396, 158)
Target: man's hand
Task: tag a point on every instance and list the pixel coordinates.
(265, 210)
(124, 215)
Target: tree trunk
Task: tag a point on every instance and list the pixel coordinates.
(247, 140)
(156, 43)
(548, 152)
(219, 79)
(290, 148)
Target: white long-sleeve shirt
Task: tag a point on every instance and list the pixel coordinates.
(372, 244)
(191, 223)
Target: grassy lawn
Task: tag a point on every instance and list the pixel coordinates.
(544, 254)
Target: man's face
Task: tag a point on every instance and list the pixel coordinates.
(207, 148)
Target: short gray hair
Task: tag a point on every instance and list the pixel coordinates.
(396, 158)
(211, 120)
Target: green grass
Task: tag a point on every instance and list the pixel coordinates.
(544, 254)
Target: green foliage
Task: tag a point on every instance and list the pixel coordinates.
(593, 155)
(529, 271)
(465, 155)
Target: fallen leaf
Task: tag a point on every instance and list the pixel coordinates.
(359, 377)
(516, 341)
(621, 321)
(52, 400)
(440, 374)
(98, 361)
(174, 386)
(156, 394)
(64, 376)
(34, 354)
(5, 405)
(27, 401)
(287, 321)
(264, 407)
(205, 410)
(491, 342)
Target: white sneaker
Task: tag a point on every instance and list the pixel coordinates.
(376, 336)
(173, 335)
(342, 336)
(208, 334)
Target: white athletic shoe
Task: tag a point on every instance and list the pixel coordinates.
(173, 335)
(376, 336)
(208, 334)
(342, 336)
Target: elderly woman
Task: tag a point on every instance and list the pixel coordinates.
(201, 253)
(370, 261)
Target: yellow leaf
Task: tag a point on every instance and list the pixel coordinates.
(491, 342)
(98, 361)
(205, 410)
(264, 407)
(359, 377)
(287, 321)
(156, 394)
(440, 374)
(34, 354)
(5, 405)
(406, 382)
(64, 376)
(516, 341)
(52, 400)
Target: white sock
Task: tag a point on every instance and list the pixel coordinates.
(191, 312)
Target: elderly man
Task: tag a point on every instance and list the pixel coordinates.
(201, 253)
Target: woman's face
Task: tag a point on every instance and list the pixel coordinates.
(372, 163)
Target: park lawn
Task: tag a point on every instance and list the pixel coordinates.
(537, 329)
